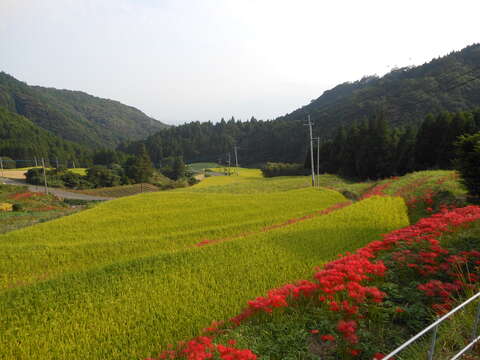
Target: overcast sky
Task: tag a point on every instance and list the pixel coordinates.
(187, 60)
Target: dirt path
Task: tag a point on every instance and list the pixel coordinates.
(277, 226)
(57, 192)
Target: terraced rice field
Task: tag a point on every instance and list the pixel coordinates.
(124, 279)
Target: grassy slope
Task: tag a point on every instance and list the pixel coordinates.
(126, 310)
(120, 191)
(143, 225)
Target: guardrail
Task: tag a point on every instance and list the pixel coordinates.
(435, 325)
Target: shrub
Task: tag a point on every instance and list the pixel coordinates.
(468, 162)
(34, 176)
(18, 207)
(100, 176)
(282, 169)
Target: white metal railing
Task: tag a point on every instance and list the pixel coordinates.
(435, 325)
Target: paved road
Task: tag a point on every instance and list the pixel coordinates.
(57, 192)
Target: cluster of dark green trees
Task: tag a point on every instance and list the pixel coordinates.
(373, 149)
(110, 170)
(258, 142)
(113, 168)
(468, 163)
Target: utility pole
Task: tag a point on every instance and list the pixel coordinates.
(235, 147)
(56, 160)
(1, 164)
(35, 159)
(318, 160)
(44, 177)
(311, 150)
(73, 163)
(229, 163)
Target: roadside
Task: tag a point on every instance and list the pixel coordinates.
(60, 193)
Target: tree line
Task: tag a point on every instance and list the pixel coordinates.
(372, 149)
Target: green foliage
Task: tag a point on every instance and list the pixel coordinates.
(140, 167)
(373, 150)
(34, 176)
(74, 115)
(282, 169)
(173, 167)
(101, 176)
(22, 139)
(58, 178)
(468, 162)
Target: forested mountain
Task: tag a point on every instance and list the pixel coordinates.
(402, 97)
(21, 139)
(76, 116)
(405, 95)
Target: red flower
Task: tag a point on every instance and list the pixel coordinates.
(327, 337)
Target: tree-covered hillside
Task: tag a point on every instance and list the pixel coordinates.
(76, 116)
(22, 139)
(403, 97)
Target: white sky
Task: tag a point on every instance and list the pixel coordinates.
(186, 60)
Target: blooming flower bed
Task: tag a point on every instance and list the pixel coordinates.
(398, 282)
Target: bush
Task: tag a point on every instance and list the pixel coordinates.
(18, 207)
(100, 176)
(34, 176)
(283, 169)
(468, 162)
(75, 181)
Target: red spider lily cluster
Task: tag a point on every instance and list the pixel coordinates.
(378, 190)
(203, 348)
(25, 195)
(349, 287)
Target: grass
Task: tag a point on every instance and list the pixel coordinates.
(132, 308)
(119, 191)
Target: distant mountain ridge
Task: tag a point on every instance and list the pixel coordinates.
(403, 97)
(76, 116)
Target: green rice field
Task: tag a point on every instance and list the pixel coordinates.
(125, 278)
